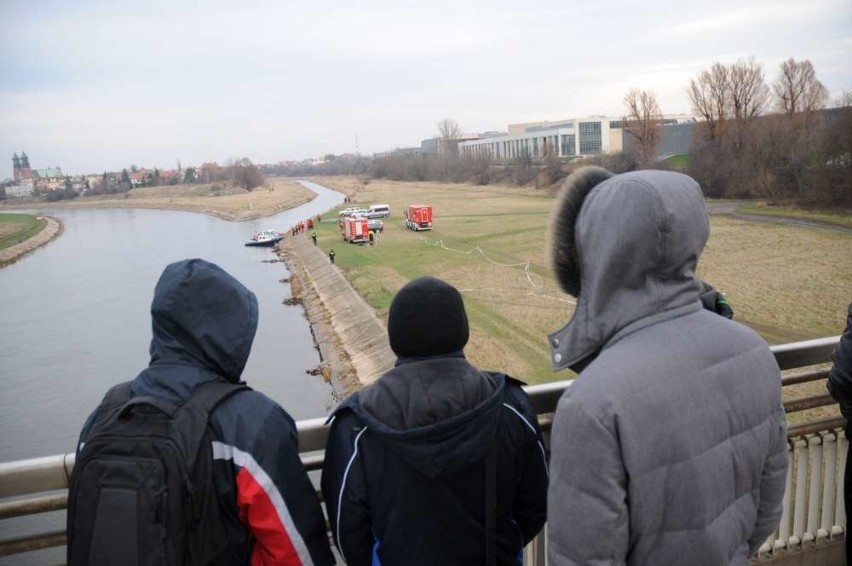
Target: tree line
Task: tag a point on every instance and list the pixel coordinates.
(775, 141)
(240, 173)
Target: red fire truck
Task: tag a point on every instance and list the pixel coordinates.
(355, 229)
(418, 217)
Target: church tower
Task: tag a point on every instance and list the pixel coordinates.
(21, 167)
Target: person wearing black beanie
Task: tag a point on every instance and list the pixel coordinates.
(434, 446)
(427, 318)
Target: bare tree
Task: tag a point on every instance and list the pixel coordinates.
(747, 90)
(449, 129)
(449, 132)
(246, 174)
(643, 124)
(798, 89)
(709, 95)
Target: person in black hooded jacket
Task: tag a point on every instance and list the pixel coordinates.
(437, 462)
(204, 322)
(840, 386)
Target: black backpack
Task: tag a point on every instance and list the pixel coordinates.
(142, 489)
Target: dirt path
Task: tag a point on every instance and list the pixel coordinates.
(13, 253)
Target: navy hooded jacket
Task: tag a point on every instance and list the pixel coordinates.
(204, 322)
(405, 470)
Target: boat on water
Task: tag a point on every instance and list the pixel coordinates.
(267, 238)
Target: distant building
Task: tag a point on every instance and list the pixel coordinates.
(565, 138)
(434, 146)
(571, 138)
(50, 179)
(21, 167)
(137, 177)
(400, 151)
(22, 188)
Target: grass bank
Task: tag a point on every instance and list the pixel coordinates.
(788, 283)
(16, 228)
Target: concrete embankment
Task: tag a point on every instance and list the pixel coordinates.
(351, 339)
(12, 253)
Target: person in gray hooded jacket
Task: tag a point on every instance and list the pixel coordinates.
(670, 446)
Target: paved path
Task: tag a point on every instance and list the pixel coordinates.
(729, 208)
(349, 335)
(12, 253)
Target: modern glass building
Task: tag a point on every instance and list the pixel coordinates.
(566, 138)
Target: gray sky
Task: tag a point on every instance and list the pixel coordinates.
(93, 86)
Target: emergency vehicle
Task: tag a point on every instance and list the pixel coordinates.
(418, 217)
(355, 229)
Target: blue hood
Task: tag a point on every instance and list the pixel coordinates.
(202, 317)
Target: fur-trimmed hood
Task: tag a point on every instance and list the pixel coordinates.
(627, 247)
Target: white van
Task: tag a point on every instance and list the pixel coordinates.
(378, 211)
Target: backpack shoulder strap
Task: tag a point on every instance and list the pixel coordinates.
(193, 415)
(206, 397)
(116, 396)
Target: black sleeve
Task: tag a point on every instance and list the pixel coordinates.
(530, 505)
(344, 489)
(840, 374)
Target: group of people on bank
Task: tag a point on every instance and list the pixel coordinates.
(668, 448)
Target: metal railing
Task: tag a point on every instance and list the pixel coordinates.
(813, 502)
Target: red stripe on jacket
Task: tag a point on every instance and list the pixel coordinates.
(273, 544)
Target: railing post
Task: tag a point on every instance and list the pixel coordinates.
(815, 459)
(784, 529)
(799, 448)
(839, 507)
(829, 483)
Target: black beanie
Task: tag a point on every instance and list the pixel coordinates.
(427, 318)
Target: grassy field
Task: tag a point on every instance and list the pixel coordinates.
(788, 283)
(15, 228)
(215, 199)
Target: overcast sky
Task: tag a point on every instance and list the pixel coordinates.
(93, 86)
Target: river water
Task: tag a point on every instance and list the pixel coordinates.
(75, 319)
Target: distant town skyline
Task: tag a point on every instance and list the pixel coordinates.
(99, 85)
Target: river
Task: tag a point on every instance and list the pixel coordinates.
(75, 319)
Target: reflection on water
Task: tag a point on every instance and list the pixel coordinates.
(74, 317)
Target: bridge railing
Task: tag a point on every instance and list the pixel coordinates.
(813, 517)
